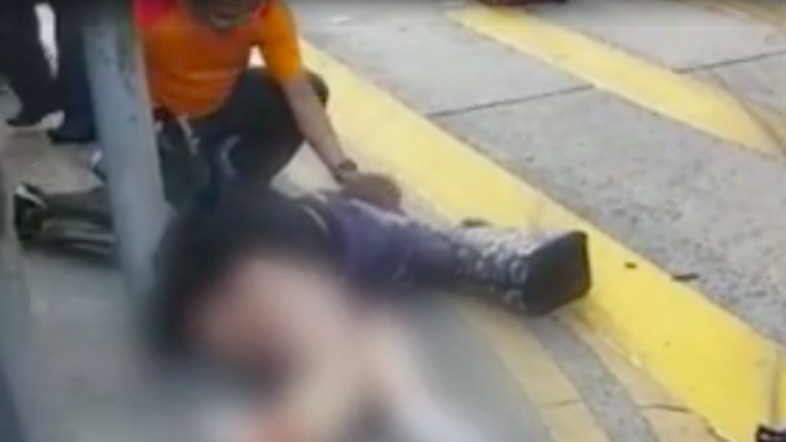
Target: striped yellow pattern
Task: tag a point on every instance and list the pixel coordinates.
(700, 105)
(667, 416)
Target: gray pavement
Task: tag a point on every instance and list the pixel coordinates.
(674, 33)
(759, 81)
(692, 203)
(429, 62)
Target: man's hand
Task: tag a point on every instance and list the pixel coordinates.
(373, 188)
(313, 121)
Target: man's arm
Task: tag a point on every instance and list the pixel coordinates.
(280, 47)
(312, 118)
(314, 123)
(279, 44)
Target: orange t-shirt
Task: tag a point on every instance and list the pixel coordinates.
(191, 69)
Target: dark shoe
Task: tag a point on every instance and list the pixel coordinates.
(30, 211)
(765, 434)
(69, 134)
(534, 274)
(28, 117)
(559, 273)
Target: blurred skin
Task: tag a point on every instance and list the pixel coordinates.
(271, 312)
(224, 15)
(340, 359)
(265, 306)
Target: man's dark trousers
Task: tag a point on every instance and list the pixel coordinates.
(23, 61)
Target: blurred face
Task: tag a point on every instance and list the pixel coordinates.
(224, 15)
(270, 312)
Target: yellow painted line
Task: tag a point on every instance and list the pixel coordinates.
(668, 417)
(561, 407)
(767, 12)
(695, 103)
(713, 362)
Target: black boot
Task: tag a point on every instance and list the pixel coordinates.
(535, 274)
(30, 211)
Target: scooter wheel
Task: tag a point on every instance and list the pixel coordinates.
(30, 211)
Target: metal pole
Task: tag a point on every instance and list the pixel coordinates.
(125, 132)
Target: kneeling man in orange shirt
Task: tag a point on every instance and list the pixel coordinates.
(197, 53)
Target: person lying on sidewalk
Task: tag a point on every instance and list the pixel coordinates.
(303, 293)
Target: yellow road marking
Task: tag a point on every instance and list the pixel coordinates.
(708, 358)
(767, 12)
(562, 409)
(667, 416)
(700, 105)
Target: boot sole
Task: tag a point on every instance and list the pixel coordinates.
(559, 274)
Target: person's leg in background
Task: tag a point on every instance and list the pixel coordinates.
(72, 83)
(258, 114)
(24, 63)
